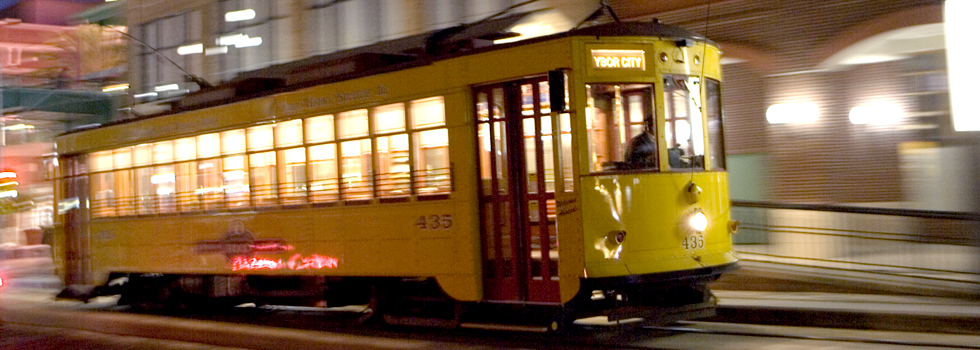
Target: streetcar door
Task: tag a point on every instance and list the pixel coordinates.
(74, 214)
(517, 192)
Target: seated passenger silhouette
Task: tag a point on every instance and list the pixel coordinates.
(674, 157)
(641, 152)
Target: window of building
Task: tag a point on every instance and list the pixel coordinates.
(253, 34)
(166, 35)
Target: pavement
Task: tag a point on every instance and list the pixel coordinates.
(756, 294)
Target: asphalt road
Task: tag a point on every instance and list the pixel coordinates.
(19, 337)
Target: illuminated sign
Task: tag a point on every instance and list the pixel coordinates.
(297, 262)
(619, 59)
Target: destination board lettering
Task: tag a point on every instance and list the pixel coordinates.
(618, 59)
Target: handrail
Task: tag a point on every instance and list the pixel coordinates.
(928, 214)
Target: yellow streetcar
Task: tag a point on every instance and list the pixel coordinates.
(440, 179)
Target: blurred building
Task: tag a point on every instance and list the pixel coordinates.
(52, 12)
(51, 80)
(860, 87)
(833, 101)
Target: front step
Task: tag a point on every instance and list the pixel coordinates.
(506, 327)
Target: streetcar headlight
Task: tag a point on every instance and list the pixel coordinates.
(698, 221)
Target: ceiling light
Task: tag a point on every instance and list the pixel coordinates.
(792, 113)
(877, 114)
(190, 49)
(167, 87)
(959, 17)
(249, 42)
(237, 16)
(231, 40)
(116, 87)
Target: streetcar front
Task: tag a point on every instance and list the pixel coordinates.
(656, 220)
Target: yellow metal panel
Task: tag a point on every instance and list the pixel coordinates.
(653, 210)
(166, 127)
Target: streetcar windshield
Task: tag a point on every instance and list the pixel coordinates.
(620, 125)
(683, 129)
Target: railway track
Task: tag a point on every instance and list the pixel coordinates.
(303, 326)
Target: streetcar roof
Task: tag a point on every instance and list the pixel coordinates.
(393, 55)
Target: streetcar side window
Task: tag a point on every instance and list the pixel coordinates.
(122, 160)
(391, 144)
(323, 173)
(389, 152)
(430, 146)
(102, 183)
(620, 126)
(163, 179)
(716, 137)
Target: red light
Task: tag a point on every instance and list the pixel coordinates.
(271, 247)
(241, 263)
(296, 262)
(312, 262)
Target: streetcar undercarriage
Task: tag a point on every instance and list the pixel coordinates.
(654, 298)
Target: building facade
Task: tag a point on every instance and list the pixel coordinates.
(825, 101)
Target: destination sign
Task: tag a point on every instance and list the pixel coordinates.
(618, 59)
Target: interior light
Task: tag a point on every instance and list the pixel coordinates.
(249, 42)
(231, 40)
(961, 24)
(237, 16)
(146, 94)
(877, 114)
(116, 87)
(190, 49)
(234, 175)
(786, 113)
(167, 87)
(217, 50)
(163, 178)
(17, 127)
